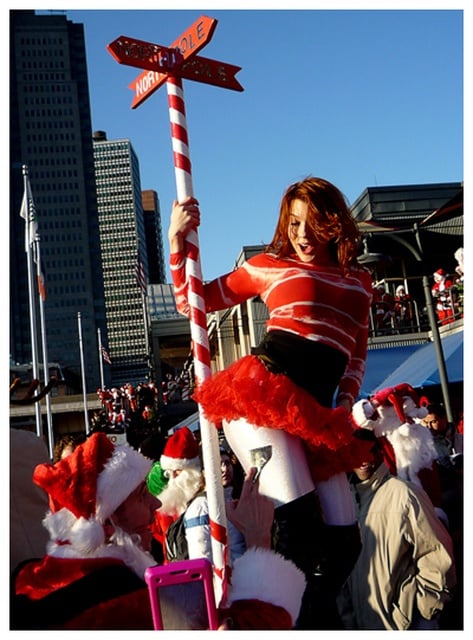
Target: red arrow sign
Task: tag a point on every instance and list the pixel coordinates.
(189, 43)
(219, 74)
(137, 53)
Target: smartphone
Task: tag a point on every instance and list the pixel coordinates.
(182, 595)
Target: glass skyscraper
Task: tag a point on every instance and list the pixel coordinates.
(123, 242)
(51, 133)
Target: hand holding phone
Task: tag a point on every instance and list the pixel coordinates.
(253, 513)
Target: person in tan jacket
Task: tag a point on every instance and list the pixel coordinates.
(405, 573)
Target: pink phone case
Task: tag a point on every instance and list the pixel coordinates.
(181, 573)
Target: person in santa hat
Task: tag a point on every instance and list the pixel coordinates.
(176, 478)
(98, 522)
(441, 292)
(92, 576)
(182, 522)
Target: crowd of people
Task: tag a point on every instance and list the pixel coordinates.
(111, 512)
(396, 311)
(177, 387)
(320, 534)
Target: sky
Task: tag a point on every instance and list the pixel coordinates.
(358, 96)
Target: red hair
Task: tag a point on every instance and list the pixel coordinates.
(329, 219)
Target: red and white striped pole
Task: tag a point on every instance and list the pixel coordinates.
(200, 341)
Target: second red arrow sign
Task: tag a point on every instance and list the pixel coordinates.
(137, 53)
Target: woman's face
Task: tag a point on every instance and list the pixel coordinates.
(226, 468)
(300, 236)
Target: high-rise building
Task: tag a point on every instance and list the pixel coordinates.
(154, 237)
(123, 243)
(50, 133)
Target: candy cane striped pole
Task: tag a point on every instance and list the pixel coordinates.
(200, 340)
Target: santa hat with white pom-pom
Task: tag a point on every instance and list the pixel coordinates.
(85, 489)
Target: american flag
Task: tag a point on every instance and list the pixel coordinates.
(140, 274)
(28, 213)
(105, 355)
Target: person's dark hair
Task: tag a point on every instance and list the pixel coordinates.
(329, 220)
(366, 434)
(438, 409)
(68, 440)
(152, 446)
(238, 473)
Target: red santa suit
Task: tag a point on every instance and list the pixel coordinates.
(442, 296)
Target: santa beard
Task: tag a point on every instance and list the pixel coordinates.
(180, 491)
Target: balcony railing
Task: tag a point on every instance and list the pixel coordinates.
(408, 316)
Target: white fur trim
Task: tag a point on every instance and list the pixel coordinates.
(122, 546)
(65, 530)
(265, 575)
(87, 535)
(362, 411)
(122, 473)
(173, 464)
(414, 449)
(59, 524)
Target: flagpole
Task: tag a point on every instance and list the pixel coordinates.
(28, 215)
(99, 340)
(44, 345)
(82, 366)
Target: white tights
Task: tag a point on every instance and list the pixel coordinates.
(286, 476)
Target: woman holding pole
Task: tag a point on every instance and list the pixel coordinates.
(292, 397)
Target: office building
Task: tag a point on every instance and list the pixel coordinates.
(123, 244)
(50, 133)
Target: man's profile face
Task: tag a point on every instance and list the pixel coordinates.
(434, 422)
(366, 469)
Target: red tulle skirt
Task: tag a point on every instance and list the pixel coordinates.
(247, 389)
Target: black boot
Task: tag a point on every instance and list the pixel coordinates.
(297, 525)
(298, 535)
(326, 555)
(340, 548)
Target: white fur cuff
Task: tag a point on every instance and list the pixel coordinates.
(262, 574)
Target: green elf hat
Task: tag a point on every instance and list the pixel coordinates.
(156, 481)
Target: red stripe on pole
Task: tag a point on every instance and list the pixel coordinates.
(218, 532)
(177, 103)
(199, 317)
(181, 162)
(179, 133)
(201, 354)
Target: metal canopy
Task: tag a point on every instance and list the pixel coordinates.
(420, 369)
